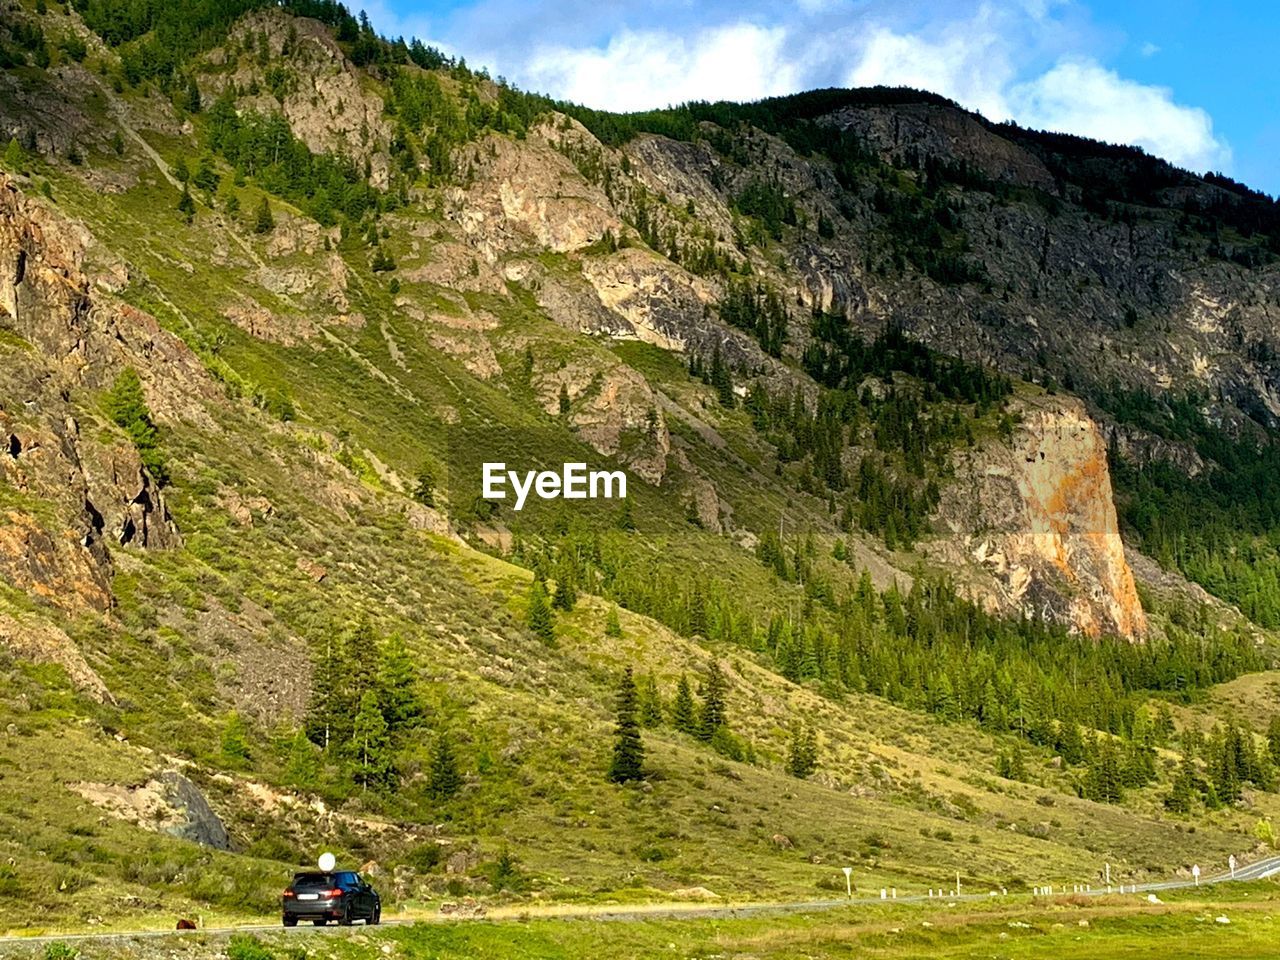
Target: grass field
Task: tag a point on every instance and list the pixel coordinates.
(1238, 923)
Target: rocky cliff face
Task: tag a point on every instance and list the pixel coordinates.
(77, 494)
(1032, 523)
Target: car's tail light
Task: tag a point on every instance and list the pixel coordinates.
(335, 892)
(289, 893)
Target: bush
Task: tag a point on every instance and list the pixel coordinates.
(10, 885)
(732, 747)
(246, 947)
(504, 873)
(425, 857)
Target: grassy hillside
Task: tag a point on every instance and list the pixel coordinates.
(319, 382)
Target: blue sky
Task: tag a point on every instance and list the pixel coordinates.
(1195, 82)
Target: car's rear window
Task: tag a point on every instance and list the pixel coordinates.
(315, 880)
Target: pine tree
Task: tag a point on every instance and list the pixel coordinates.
(650, 702)
(1182, 792)
(612, 626)
(443, 778)
(563, 400)
(626, 518)
(191, 101)
(424, 486)
(343, 673)
(127, 408)
(722, 380)
(187, 204)
(13, 156)
(235, 742)
(397, 686)
(802, 753)
(263, 222)
(1226, 772)
(683, 715)
(697, 612)
(327, 680)
(369, 747)
(566, 592)
(628, 750)
(361, 665)
(206, 177)
(1011, 765)
(303, 767)
(540, 618)
(1103, 779)
(1273, 739)
(712, 717)
(1069, 743)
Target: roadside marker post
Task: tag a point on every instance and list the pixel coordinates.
(848, 881)
(1195, 872)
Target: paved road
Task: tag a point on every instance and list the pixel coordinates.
(1258, 870)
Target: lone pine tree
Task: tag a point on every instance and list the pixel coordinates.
(683, 714)
(541, 620)
(712, 717)
(443, 779)
(263, 222)
(127, 408)
(612, 625)
(802, 753)
(628, 751)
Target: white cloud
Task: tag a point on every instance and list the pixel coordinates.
(973, 63)
(645, 69)
(1083, 97)
(1149, 49)
(969, 65)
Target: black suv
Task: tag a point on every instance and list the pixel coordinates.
(320, 897)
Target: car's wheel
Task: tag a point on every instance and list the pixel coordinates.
(376, 916)
(319, 921)
(346, 917)
(290, 921)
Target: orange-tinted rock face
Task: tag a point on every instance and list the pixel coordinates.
(1035, 522)
(73, 496)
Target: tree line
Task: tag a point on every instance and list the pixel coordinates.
(927, 649)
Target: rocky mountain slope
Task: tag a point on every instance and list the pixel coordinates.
(863, 355)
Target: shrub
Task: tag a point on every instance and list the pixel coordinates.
(243, 946)
(425, 857)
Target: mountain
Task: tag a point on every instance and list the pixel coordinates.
(950, 447)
